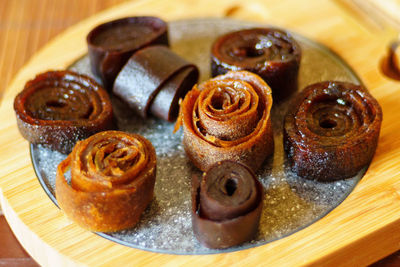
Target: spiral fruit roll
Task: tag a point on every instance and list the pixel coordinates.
(331, 130)
(226, 205)
(228, 118)
(271, 53)
(58, 108)
(112, 181)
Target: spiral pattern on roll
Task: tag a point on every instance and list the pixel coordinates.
(228, 118)
(226, 205)
(331, 130)
(112, 180)
(58, 108)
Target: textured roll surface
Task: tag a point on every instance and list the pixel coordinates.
(228, 118)
(271, 53)
(226, 205)
(111, 44)
(58, 108)
(112, 181)
(153, 80)
(331, 130)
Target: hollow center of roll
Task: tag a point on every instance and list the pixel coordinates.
(230, 186)
(328, 123)
(61, 102)
(217, 103)
(55, 104)
(249, 51)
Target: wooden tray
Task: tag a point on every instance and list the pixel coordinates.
(364, 228)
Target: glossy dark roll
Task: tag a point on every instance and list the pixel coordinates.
(228, 118)
(331, 130)
(271, 53)
(58, 108)
(153, 80)
(226, 205)
(112, 181)
(111, 44)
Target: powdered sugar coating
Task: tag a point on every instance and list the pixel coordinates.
(290, 203)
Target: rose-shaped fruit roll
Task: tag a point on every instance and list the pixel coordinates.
(228, 118)
(153, 80)
(111, 44)
(331, 130)
(112, 181)
(226, 205)
(271, 53)
(58, 108)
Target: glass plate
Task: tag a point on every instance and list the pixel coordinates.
(290, 203)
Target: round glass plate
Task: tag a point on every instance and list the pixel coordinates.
(290, 203)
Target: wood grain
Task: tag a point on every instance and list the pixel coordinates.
(23, 32)
(364, 228)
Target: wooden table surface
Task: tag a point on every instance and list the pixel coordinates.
(25, 26)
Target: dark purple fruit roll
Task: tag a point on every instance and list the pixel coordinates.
(59, 108)
(331, 130)
(153, 80)
(111, 44)
(271, 53)
(226, 205)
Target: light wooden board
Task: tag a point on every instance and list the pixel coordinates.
(364, 228)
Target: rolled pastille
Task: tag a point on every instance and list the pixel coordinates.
(58, 108)
(153, 80)
(226, 205)
(331, 130)
(111, 44)
(112, 181)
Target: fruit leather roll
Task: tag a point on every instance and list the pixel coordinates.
(153, 80)
(331, 130)
(226, 205)
(271, 53)
(111, 44)
(58, 108)
(112, 181)
(228, 118)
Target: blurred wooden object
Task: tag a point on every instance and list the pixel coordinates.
(361, 230)
(11, 252)
(26, 25)
(379, 12)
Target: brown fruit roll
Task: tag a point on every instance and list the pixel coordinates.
(228, 118)
(112, 181)
(331, 130)
(153, 80)
(271, 53)
(226, 205)
(111, 44)
(58, 108)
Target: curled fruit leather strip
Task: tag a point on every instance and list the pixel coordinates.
(58, 108)
(112, 181)
(331, 130)
(111, 44)
(226, 205)
(228, 118)
(153, 80)
(271, 53)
